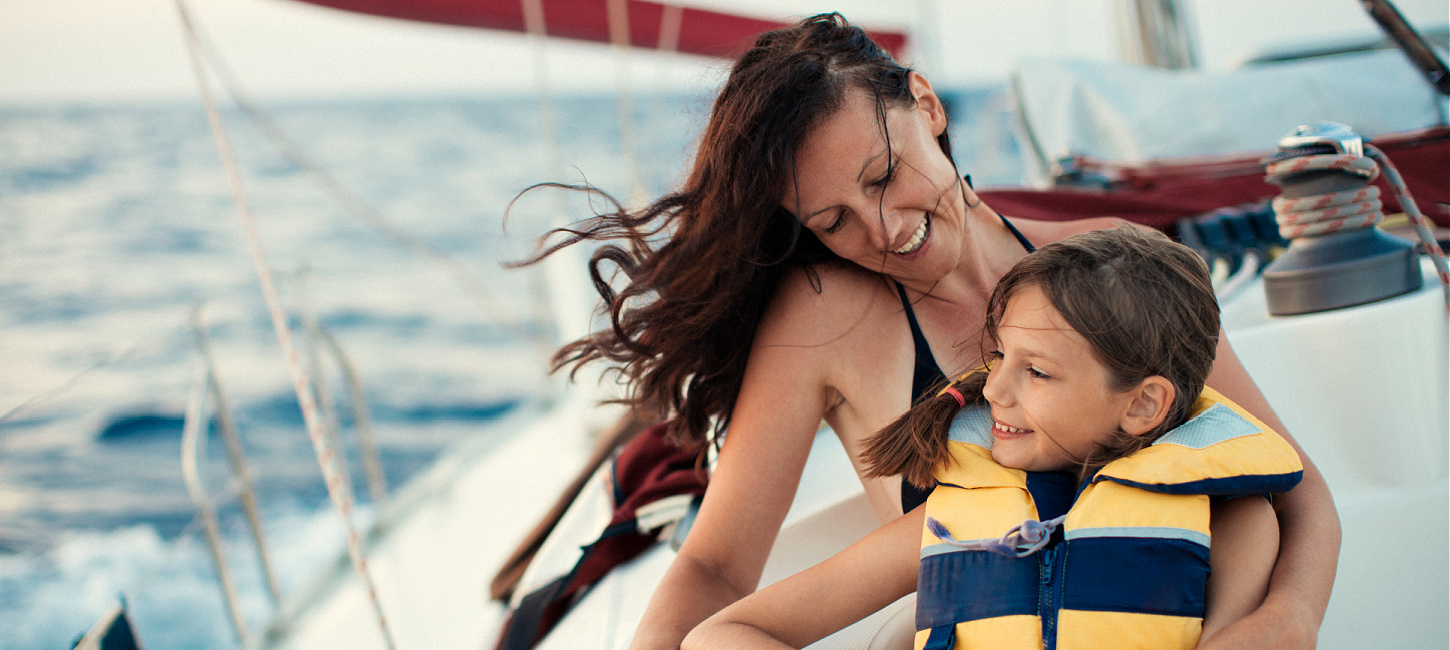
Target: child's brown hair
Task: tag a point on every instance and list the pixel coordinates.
(1144, 303)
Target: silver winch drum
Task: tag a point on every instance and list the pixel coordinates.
(1339, 269)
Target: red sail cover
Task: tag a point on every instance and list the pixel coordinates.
(1160, 193)
(704, 32)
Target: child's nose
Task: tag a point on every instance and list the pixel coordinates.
(995, 390)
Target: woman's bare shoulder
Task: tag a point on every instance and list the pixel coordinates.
(1046, 232)
(824, 303)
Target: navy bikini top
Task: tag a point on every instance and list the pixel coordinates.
(926, 374)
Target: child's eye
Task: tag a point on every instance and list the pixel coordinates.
(1038, 374)
(991, 358)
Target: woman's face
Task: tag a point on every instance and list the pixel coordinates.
(887, 200)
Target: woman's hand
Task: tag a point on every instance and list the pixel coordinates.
(1264, 628)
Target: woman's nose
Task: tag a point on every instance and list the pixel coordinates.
(884, 225)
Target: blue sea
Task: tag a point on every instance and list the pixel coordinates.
(117, 224)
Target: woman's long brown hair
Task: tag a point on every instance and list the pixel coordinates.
(1146, 307)
(700, 264)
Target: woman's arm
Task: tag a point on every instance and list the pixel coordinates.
(1245, 541)
(1308, 536)
(783, 396)
(801, 609)
(750, 492)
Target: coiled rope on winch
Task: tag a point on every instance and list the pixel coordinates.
(1322, 214)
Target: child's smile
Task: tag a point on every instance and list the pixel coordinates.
(1052, 401)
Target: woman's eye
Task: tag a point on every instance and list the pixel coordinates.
(836, 225)
(886, 179)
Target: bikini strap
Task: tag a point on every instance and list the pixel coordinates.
(1027, 245)
(925, 373)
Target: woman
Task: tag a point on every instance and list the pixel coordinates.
(825, 230)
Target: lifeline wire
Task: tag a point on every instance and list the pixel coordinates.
(1322, 214)
(300, 380)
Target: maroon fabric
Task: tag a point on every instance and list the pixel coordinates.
(1159, 194)
(705, 32)
(647, 469)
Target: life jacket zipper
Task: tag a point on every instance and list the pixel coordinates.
(1050, 593)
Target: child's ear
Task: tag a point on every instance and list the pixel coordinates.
(1148, 406)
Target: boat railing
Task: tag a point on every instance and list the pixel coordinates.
(208, 395)
(207, 385)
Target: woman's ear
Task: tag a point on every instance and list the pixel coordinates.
(1148, 405)
(928, 103)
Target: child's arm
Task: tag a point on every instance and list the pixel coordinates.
(1245, 545)
(801, 609)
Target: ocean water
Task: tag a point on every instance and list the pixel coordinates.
(117, 225)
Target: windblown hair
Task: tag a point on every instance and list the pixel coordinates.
(701, 264)
(1146, 307)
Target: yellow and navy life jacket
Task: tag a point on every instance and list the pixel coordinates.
(1128, 564)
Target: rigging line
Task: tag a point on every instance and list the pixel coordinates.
(667, 49)
(115, 358)
(300, 381)
(122, 355)
(617, 12)
(355, 205)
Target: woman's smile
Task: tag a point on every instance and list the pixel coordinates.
(916, 244)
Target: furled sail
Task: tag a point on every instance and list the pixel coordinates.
(700, 31)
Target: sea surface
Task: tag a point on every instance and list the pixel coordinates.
(120, 241)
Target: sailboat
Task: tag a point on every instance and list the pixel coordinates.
(1370, 409)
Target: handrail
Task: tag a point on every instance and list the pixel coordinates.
(190, 441)
(320, 390)
(362, 417)
(246, 494)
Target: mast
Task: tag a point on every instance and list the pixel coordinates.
(1156, 33)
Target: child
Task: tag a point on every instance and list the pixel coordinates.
(1073, 474)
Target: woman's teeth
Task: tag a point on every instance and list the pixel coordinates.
(915, 241)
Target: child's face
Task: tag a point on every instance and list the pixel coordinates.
(1051, 399)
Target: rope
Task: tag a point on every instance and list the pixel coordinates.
(355, 205)
(1412, 211)
(300, 380)
(1322, 214)
(119, 356)
(1021, 540)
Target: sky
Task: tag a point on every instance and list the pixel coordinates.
(60, 51)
